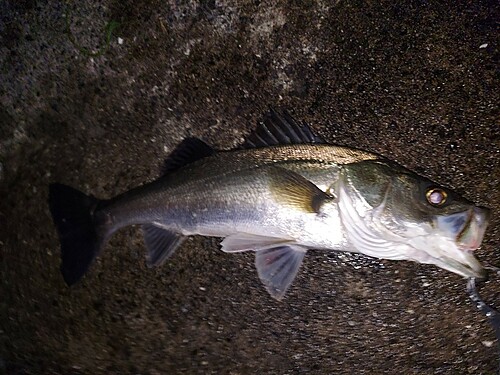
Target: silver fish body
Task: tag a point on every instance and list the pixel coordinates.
(254, 192)
(280, 200)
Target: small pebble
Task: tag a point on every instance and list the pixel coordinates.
(488, 344)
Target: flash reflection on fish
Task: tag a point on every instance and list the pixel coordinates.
(281, 194)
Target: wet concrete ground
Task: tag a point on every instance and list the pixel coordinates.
(414, 81)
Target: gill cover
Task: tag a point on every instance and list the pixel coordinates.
(392, 213)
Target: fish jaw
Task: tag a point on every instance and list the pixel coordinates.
(465, 231)
(472, 235)
(467, 227)
(468, 266)
(445, 253)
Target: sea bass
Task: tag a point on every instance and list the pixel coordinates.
(284, 192)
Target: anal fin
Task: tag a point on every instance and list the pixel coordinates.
(161, 243)
(278, 266)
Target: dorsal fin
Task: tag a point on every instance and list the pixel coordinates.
(280, 129)
(186, 152)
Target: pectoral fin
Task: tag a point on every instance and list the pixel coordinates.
(278, 266)
(161, 243)
(293, 190)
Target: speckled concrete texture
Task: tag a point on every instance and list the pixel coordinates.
(415, 81)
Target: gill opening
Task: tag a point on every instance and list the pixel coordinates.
(377, 211)
(363, 235)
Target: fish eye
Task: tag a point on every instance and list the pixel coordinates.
(436, 196)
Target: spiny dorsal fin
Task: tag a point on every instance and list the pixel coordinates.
(188, 151)
(280, 129)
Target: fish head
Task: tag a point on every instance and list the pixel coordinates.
(410, 217)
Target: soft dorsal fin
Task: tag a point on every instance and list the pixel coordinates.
(186, 152)
(280, 129)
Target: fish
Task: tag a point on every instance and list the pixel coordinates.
(282, 193)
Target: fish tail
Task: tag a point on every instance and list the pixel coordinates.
(82, 234)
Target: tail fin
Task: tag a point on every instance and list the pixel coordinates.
(80, 234)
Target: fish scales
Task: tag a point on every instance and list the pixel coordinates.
(285, 193)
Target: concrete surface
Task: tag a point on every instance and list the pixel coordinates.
(415, 81)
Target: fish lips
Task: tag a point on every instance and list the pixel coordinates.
(471, 236)
(467, 228)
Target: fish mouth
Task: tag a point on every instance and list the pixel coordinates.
(467, 229)
(471, 235)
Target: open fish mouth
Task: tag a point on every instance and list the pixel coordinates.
(471, 235)
(467, 229)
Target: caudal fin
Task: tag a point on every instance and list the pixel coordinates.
(80, 233)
